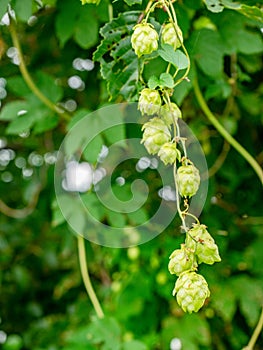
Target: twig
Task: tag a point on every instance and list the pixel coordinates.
(86, 278)
(255, 334)
(233, 142)
(27, 77)
(24, 212)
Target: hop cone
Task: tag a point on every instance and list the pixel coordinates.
(188, 180)
(172, 37)
(191, 291)
(170, 112)
(200, 240)
(181, 260)
(168, 153)
(156, 133)
(90, 2)
(149, 101)
(144, 39)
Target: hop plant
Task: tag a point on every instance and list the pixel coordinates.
(144, 39)
(156, 133)
(200, 240)
(170, 112)
(149, 101)
(191, 291)
(188, 180)
(181, 260)
(172, 37)
(168, 153)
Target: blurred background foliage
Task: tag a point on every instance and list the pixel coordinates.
(43, 302)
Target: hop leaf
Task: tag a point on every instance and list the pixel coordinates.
(168, 153)
(170, 112)
(200, 240)
(191, 291)
(172, 37)
(149, 101)
(188, 180)
(181, 260)
(144, 39)
(156, 133)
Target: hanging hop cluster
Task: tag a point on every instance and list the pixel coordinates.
(157, 136)
(161, 136)
(145, 38)
(191, 289)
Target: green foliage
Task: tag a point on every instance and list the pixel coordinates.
(122, 71)
(43, 302)
(177, 58)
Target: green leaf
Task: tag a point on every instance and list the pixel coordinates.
(11, 110)
(133, 2)
(65, 20)
(48, 86)
(78, 115)
(166, 80)
(86, 28)
(214, 5)
(224, 301)
(94, 206)
(177, 58)
(3, 7)
(153, 82)
(23, 9)
(105, 332)
(17, 86)
(20, 125)
(47, 122)
(116, 219)
(249, 43)
(252, 12)
(237, 36)
(134, 344)
(138, 217)
(93, 149)
(250, 298)
(207, 49)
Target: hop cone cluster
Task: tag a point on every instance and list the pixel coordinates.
(188, 180)
(149, 102)
(156, 133)
(191, 291)
(200, 240)
(144, 39)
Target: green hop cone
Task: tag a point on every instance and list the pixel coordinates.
(170, 112)
(181, 260)
(188, 180)
(155, 134)
(144, 39)
(200, 240)
(168, 153)
(90, 2)
(172, 37)
(149, 101)
(191, 291)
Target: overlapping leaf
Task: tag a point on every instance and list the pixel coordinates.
(119, 64)
(252, 12)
